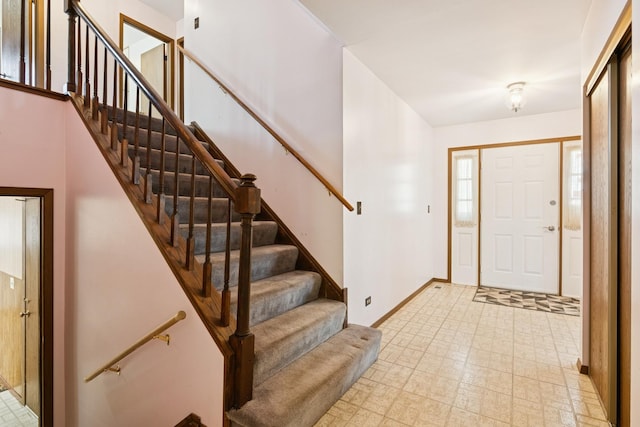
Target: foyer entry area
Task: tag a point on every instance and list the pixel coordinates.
(446, 360)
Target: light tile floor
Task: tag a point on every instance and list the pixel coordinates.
(14, 414)
(448, 361)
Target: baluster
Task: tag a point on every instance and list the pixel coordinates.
(175, 218)
(206, 267)
(135, 173)
(104, 117)
(79, 71)
(161, 197)
(95, 103)
(148, 178)
(87, 86)
(71, 52)
(226, 293)
(48, 47)
(189, 262)
(23, 63)
(242, 341)
(124, 146)
(114, 116)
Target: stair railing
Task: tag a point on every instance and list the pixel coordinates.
(111, 365)
(288, 148)
(109, 112)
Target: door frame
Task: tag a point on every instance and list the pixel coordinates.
(46, 295)
(170, 83)
(452, 150)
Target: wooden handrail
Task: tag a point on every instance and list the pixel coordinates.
(183, 132)
(142, 341)
(273, 133)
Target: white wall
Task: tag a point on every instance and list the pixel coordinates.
(524, 128)
(388, 158)
(19, 141)
(289, 69)
(121, 288)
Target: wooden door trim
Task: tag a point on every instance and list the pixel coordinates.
(46, 296)
(480, 147)
(124, 19)
(180, 43)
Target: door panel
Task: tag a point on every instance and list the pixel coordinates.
(152, 66)
(32, 304)
(603, 199)
(624, 251)
(11, 39)
(520, 201)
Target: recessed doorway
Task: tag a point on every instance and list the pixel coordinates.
(26, 291)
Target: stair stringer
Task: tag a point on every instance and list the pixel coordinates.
(208, 308)
(329, 288)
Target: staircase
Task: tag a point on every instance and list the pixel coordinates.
(289, 352)
(306, 356)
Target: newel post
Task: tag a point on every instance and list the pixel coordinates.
(247, 204)
(71, 77)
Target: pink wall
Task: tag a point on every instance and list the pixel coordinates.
(120, 288)
(32, 141)
(111, 285)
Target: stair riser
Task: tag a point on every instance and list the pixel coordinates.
(156, 140)
(218, 209)
(261, 267)
(184, 165)
(184, 185)
(156, 123)
(292, 294)
(279, 343)
(262, 235)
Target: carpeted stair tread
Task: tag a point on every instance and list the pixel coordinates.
(219, 209)
(156, 123)
(264, 233)
(300, 394)
(184, 184)
(266, 261)
(156, 139)
(283, 339)
(275, 295)
(184, 161)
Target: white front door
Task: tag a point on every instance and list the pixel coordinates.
(520, 205)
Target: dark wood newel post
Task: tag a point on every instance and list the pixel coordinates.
(71, 75)
(247, 204)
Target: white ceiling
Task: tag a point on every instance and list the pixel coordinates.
(174, 9)
(451, 60)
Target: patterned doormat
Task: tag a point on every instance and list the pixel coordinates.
(528, 300)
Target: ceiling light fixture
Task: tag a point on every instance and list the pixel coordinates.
(516, 100)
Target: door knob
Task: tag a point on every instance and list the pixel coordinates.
(25, 313)
(550, 228)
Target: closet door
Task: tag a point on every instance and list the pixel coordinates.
(603, 239)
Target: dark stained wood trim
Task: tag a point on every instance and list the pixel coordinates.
(209, 308)
(33, 90)
(330, 289)
(124, 19)
(46, 296)
(191, 420)
(405, 301)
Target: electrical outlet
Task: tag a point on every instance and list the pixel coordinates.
(196, 23)
(358, 208)
(367, 301)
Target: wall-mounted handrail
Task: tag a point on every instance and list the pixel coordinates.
(142, 341)
(158, 102)
(273, 133)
